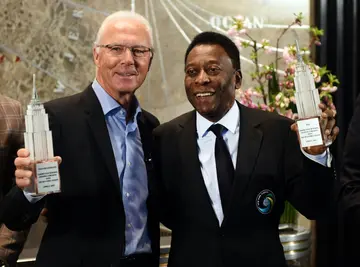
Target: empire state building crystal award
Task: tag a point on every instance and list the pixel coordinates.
(307, 104)
(38, 140)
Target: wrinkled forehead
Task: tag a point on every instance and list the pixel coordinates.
(126, 32)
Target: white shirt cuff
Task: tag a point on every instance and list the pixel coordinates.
(323, 159)
(32, 199)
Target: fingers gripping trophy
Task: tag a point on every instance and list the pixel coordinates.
(307, 98)
(38, 140)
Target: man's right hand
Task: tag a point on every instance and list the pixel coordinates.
(23, 165)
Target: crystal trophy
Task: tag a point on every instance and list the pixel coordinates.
(38, 140)
(307, 104)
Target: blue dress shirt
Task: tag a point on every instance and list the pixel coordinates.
(129, 156)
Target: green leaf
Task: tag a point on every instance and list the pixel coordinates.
(253, 55)
(253, 75)
(258, 89)
(333, 79)
(326, 94)
(316, 32)
(323, 70)
(289, 215)
(245, 44)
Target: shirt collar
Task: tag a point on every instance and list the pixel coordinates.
(107, 102)
(231, 121)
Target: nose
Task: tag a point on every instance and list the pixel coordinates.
(202, 78)
(127, 57)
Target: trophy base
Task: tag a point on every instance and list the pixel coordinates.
(310, 133)
(45, 179)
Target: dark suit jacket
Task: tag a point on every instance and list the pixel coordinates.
(350, 189)
(269, 157)
(86, 221)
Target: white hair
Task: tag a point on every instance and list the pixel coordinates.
(119, 15)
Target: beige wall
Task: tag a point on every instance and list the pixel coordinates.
(38, 30)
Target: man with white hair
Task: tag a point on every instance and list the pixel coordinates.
(104, 215)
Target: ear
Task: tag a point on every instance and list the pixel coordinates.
(238, 78)
(96, 57)
(150, 62)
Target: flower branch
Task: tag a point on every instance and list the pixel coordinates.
(275, 91)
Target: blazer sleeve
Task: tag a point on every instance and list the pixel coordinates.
(15, 210)
(309, 186)
(350, 171)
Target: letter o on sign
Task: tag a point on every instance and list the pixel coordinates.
(216, 21)
(221, 22)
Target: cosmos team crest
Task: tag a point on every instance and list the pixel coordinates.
(265, 201)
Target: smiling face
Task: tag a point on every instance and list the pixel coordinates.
(210, 81)
(121, 74)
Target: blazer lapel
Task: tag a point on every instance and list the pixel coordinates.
(146, 139)
(96, 120)
(250, 139)
(191, 164)
(147, 142)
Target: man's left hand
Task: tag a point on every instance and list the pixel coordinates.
(328, 127)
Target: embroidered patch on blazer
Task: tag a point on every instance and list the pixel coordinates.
(265, 201)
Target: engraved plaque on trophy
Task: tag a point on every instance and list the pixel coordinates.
(307, 104)
(38, 140)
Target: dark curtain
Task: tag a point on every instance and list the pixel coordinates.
(338, 51)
